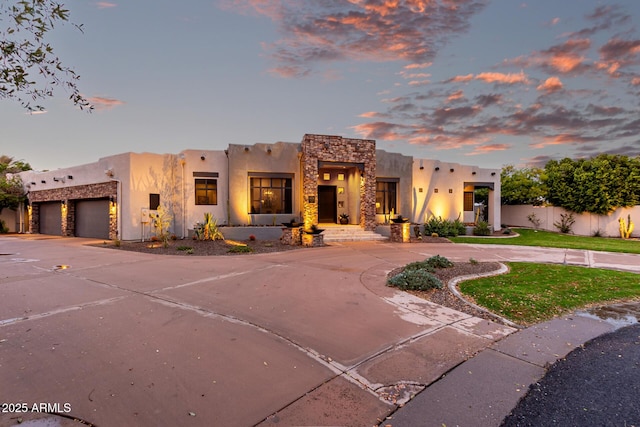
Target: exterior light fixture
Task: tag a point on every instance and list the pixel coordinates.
(493, 174)
(451, 170)
(435, 190)
(269, 150)
(473, 173)
(43, 181)
(421, 167)
(451, 191)
(69, 176)
(203, 157)
(437, 168)
(246, 149)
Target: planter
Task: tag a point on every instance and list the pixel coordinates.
(400, 232)
(291, 236)
(344, 221)
(312, 240)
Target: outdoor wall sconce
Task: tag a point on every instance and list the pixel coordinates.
(473, 173)
(493, 174)
(451, 191)
(203, 157)
(451, 170)
(435, 190)
(437, 168)
(421, 167)
(246, 149)
(269, 150)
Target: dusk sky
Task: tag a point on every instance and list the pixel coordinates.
(477, 82)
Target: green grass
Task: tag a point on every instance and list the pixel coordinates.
(548, 239)
(532, 293)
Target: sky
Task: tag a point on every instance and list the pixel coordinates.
(480, 82)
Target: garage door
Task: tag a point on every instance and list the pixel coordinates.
(50, 218)
(92, 218)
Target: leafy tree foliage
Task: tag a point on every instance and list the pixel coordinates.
(598, 185)
(29, 68)
(522, 186)
(11, 190)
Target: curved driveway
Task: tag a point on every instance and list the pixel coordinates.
(311, 336)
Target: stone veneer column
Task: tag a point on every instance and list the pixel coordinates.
(331, 148)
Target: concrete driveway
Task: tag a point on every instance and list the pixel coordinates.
(306, 337)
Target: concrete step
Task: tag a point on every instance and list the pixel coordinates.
(348, 233)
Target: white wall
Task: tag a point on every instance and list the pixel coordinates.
(585, 225)
(427, 203)
(187, 212)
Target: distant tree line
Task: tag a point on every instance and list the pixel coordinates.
(598, 185)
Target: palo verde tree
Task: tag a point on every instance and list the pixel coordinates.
(11, 191)
(29, 68)
(522, 186)
(598, 185)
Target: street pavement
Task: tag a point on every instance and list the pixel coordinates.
(305, 337)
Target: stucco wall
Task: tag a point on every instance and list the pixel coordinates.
(281, 157)
(186, 212)
(395, 165)
(449, 179)
(585, 225)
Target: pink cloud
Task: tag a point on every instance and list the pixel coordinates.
(314, 32)
(490, 148)
(455, 96)
(503, 78)
(551, 85)
(635, 81)
(102, 103)
(105, 5)
(466, 78)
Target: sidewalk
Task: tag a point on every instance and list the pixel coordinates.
(483, 390)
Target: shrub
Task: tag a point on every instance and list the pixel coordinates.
(3, 227)
(240, 249)
(419, 280)
(209, 229)
(438, 261)
(420, 265)
(444, 227)
(533, 219)
(482, 229)
(506, 231)
(184, 248)
(565, 223)
(252, 238)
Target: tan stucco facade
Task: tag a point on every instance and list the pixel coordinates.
(314, 181)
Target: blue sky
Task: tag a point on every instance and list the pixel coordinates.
(471, 81)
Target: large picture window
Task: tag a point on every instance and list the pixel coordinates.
(206, 191)
(271, 195)
(386, 196)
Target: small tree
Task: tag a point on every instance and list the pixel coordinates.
(522, 186)
(11, 189)
(161, 220)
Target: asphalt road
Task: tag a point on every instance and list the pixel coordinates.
(595, 385)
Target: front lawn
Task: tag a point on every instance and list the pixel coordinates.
(528, 237)
(532, 293)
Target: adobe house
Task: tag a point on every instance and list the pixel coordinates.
(314, 181)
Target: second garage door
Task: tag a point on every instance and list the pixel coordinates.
(92, 218)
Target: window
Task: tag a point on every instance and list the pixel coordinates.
(386, 196)
(271, 195)
(468, 201)
(206, 191)
(154, 201)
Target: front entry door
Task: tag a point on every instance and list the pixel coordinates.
(327, 203)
